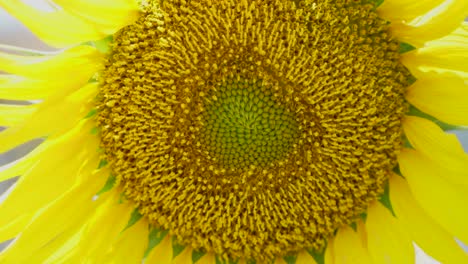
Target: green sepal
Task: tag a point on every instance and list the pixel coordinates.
(197, 255)
(91, 113)
(94, 130)
(416, 112)
(353, 225)
(122, 198)
(290, 259)
(406, 143)
(397, 171)
(134, 217)
(103, 45)
(108, 185)
(93, 79)
(385, 198)
(155, 237)
(378, 2)
(102, 163)
(405, 47)
(363, 216)
(319, 256)
(176, 248)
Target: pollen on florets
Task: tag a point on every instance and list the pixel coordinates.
(253, 129)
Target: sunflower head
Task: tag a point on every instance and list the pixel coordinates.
(253, 129)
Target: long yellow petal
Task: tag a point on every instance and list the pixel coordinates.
(444, 151)
(21, 166)
(71, 63)
(437, 23)
(443, 96)
(62, 164)
(459, 37)
(441, 199)
(330, 252)
(162, 253)
(11, 115)
(130, 246)
(305, 258)
(387, 242)
(185, 257)
(103, 229)
(13, 228)
(13, 87)
(404, 10)
(348, 247)
(60, 248)
(107, 15)
(58, 29)
(67, 247)
(208, 258)
(448, 58)
(17, 88)
(51, 119)
(67, 212)
(423, 230)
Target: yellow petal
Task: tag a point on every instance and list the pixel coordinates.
(81, 61)
(60, 248)
(162, 253)
(444, 151)
(104, 228)
(64, 214)
(441, 58)
(433, 239)
(348, 247)
(131, 245)
(57, 28)
(443, 96)
(387, 242)
(208, 258)
(330, 252)
(441, 199)
(67, 247)
(305, 258)
(19, 167)
(404, 10)
(107, 15)
(361, 230)
(13, 228)
(11, 115)
(18, 88)
(435, 24)
(459, 37)
(62, 163)
(51, 119)
(185, 257)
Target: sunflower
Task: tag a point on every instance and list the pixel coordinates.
(253, 131)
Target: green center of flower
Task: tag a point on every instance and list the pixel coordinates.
(244, 126)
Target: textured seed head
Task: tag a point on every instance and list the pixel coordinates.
(253, 129)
